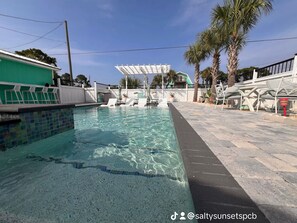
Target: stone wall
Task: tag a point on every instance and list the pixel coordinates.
(34, 125)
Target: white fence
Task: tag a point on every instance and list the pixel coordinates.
(90, 95)
(71, 95)
(77, 95)
(183, 94)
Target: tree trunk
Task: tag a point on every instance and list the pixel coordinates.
(232, 61)
(196, 81)
(214, 73)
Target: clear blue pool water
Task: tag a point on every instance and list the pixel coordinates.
(117, 165)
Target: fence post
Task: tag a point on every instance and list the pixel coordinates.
(95, 91)
(60, 91)
(186, 92)
(255, 75)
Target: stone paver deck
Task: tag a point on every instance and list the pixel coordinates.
(260, 154)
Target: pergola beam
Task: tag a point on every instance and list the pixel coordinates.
(144, 70)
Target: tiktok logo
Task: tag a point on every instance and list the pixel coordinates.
(173, 217)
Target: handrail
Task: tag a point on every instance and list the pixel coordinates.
(276, 63)
(276, 68)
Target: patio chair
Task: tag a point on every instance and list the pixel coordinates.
(279, 88)
(225, 93)
(142, 102)
(129, 102)
(153, 98)
(30, 95)
(44, 96)
(111, 103)
(53, 96)
(163, 103)
(17, 93)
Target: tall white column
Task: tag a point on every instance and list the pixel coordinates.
(186, 92)
(294, 71)
(126, 84)
(255, 75)
(60, 91)
(95, 91)
(162, 86)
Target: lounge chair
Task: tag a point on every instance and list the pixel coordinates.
(111, 103)
(153, 98)
(279, 88)
(163, 103)
(224, 93)
(129, 102)
(142, 102)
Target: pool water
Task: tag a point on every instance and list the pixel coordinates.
(117, 165)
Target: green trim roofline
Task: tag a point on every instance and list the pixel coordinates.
(188, 79)
(15, 57)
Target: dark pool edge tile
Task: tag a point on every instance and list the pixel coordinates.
(189, 141)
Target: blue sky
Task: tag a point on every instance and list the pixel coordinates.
(103, 25)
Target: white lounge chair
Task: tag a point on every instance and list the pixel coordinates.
(224, 93)
(279, 88)
(129, 102)
(142, 102)
(153, 98)
(111, 103)
(163, 103)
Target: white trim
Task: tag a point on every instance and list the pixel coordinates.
(27, 60)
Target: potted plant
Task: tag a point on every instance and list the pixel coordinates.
(208, 97)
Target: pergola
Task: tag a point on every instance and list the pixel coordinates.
(144, 70)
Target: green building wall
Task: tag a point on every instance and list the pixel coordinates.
(15, 71)
(20, 72)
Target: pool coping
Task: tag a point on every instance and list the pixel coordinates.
(214, 190)
(23, 108)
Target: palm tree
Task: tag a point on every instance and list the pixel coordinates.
(132, 83)
(171, 77)
(214, 42)
(206, 75)
(194, 55)
(157, 81)
(235, 18)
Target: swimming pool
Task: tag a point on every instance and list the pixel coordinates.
(117, 165)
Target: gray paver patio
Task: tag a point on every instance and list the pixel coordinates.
(260, 154)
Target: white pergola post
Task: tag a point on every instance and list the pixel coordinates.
(187, 92)
(162, 86)
(126, 84)
(95, 91)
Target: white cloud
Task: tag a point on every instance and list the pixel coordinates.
(106, 8)
(193, 11)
